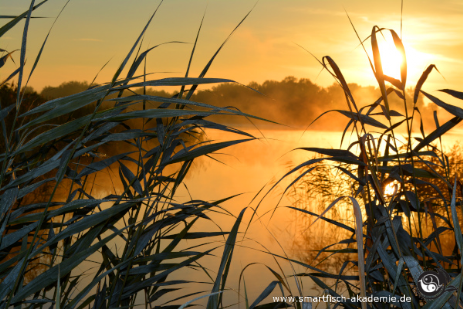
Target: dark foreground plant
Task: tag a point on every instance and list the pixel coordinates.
(52, 219)
(401, 181)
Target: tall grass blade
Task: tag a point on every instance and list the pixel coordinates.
(456, 94)
(122, 66)
(208, 65)
(458, 235)
(37, 59)
(198, 298)
(5, 28)
(269, 289)
(5, 58)
(63, 268)
(421, 81)
(454, 110)
(403, 65)
(58, 290)
(437, 133)
(23, 53)
(379, 68)
(219, 283)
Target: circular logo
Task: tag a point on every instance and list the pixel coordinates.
(432, 284)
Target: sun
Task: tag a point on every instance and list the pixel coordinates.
(391, 59)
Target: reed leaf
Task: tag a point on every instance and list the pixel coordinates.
(453, 93)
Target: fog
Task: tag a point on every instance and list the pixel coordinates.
(292, 102)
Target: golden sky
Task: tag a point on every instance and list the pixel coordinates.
(91, 32)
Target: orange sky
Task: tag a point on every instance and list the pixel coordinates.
(91, 32)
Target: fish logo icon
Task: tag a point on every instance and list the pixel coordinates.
(432, 284)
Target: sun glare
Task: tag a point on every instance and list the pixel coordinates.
(391, 188)
(391, 59)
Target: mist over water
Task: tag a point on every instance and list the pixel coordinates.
(294, 103)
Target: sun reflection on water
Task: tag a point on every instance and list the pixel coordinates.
(391, 188)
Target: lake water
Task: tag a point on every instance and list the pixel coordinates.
(247, 169)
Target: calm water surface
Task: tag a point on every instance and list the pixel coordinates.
(247, 169)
